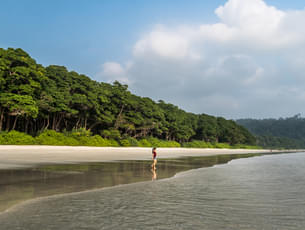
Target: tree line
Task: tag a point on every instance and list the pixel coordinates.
(34, 98)
(277, 133)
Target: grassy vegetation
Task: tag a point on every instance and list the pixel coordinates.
(203, 144)
(82, 137)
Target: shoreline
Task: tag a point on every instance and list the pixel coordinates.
(63, 179)
(26, 156)
(43, 171)
(23, 206)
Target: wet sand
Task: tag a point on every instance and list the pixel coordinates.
(19, 185)
(29, 156)
(29, 172)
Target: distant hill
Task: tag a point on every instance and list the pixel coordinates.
(284, 132)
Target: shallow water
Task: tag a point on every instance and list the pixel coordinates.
(24, 184)
(265, 192)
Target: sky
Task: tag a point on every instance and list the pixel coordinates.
(230, 58)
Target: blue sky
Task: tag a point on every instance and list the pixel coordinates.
(110, 40)
(82, 34)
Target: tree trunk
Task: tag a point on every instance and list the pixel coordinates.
(48, 123)
(86, 123)
(41, 126)
(58, 123)
(33, 127)
(1, 117)
(26, 125)
(54, 122)
(15, 122)
(93, 125)
(76, 125)
(118, 119)
(8, 121)
(66, 124)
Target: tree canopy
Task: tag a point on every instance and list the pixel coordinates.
(283, 132)
(34, 98)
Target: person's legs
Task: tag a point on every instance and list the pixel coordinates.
(155, 163)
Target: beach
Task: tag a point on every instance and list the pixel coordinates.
(14, 156)
(29, 172)
(241, 191)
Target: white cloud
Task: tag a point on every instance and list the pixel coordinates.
(232, 68)
(164, 43)
(112, 68)
(250, 15)
(113, 71)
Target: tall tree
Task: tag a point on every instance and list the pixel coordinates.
(34, 98)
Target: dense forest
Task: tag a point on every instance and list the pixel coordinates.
(277, 133)
(34, 99)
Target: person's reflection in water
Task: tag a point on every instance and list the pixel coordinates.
(154, 174)
(154, 158)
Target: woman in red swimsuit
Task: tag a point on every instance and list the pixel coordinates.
(154, 157)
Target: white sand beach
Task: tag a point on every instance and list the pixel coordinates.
(12, 156)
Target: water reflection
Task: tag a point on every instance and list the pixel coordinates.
(154, 174)
(24, 184)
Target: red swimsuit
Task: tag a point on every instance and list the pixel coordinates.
(154, 154)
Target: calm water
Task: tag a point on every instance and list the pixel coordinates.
(20, 185)
(266, 192)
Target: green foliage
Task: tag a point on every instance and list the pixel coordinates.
(83, 138)
(51, 137)
(240, 146)
(81, 132)
(19, 104)
(133, 142)
(161, 143)
(95, 140)
(280, 142)
(173, 144)
(15, 138)
(154, 142)
(114, 134)
(128, 142)
(124, 143)
(278, 133)
(144, 143)
(75, 138)
(105, 133)
(35, 98)
(203, 144)
(112, 143)
(222, 146)
(197, 144)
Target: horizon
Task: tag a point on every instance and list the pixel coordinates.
(205, 57)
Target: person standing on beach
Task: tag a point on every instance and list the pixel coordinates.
(154, 157)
